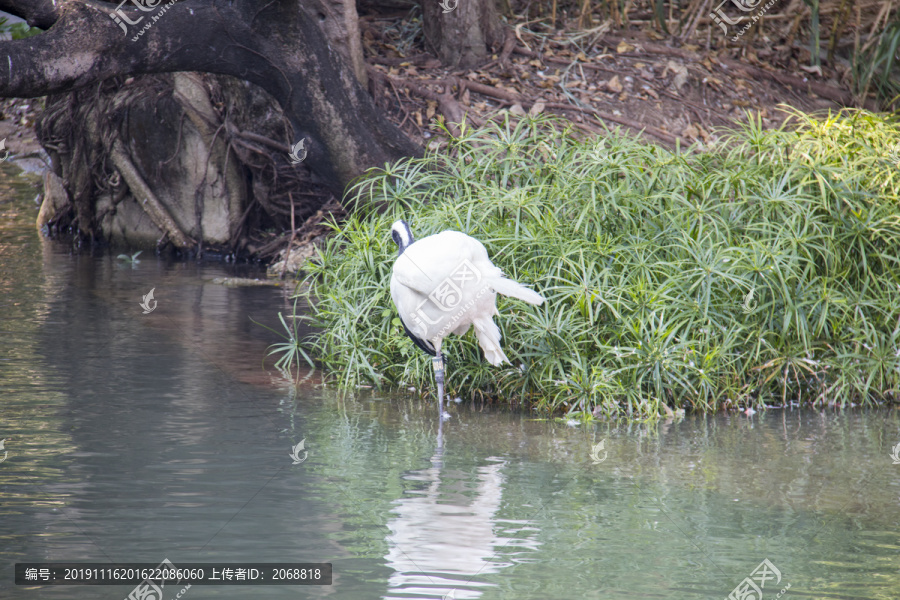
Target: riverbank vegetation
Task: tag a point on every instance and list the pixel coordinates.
(762, 272)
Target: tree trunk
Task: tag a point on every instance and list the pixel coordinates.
(275, 45)
(340, 24)
(461, 33)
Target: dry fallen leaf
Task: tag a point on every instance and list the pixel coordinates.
(419, 118)
(681, 74)
(432, 106)
(651, 92)
(816, 69)
(613, 85)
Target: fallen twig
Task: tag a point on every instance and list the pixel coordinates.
(451, 109)
(488, 90)
(654, 131)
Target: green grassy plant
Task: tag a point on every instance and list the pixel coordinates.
(764, 271)
(876, 68)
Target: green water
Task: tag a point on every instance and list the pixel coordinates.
(136, 437)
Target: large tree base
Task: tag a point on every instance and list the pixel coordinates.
(194, 161)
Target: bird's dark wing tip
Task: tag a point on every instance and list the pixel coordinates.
(424, 345)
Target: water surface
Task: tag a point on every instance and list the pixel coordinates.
(136, 437)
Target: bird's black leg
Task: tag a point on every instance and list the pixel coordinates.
(438, 363)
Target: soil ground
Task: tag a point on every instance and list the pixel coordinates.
(600, 80)
(17, 118)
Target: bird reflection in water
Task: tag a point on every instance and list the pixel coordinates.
(444, 532)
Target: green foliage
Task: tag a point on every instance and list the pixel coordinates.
(763, 271)
(17, 31)
(291, 350)
(876, 68)
(814, 30)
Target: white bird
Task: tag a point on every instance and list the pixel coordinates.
(444, 284)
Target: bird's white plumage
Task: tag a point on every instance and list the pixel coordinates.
(446, 283)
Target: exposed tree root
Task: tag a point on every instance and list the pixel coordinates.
(147, 200)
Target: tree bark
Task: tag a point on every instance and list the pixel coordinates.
(275, 45)
(461, 33)
(340, 24)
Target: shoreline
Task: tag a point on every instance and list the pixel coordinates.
(17, 119)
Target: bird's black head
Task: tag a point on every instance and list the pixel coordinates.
(401, 235)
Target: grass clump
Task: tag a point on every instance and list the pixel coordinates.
(765, 271)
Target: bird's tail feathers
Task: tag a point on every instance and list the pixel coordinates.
(514, 289)
(488, 335)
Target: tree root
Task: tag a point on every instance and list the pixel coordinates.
(147, 200)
